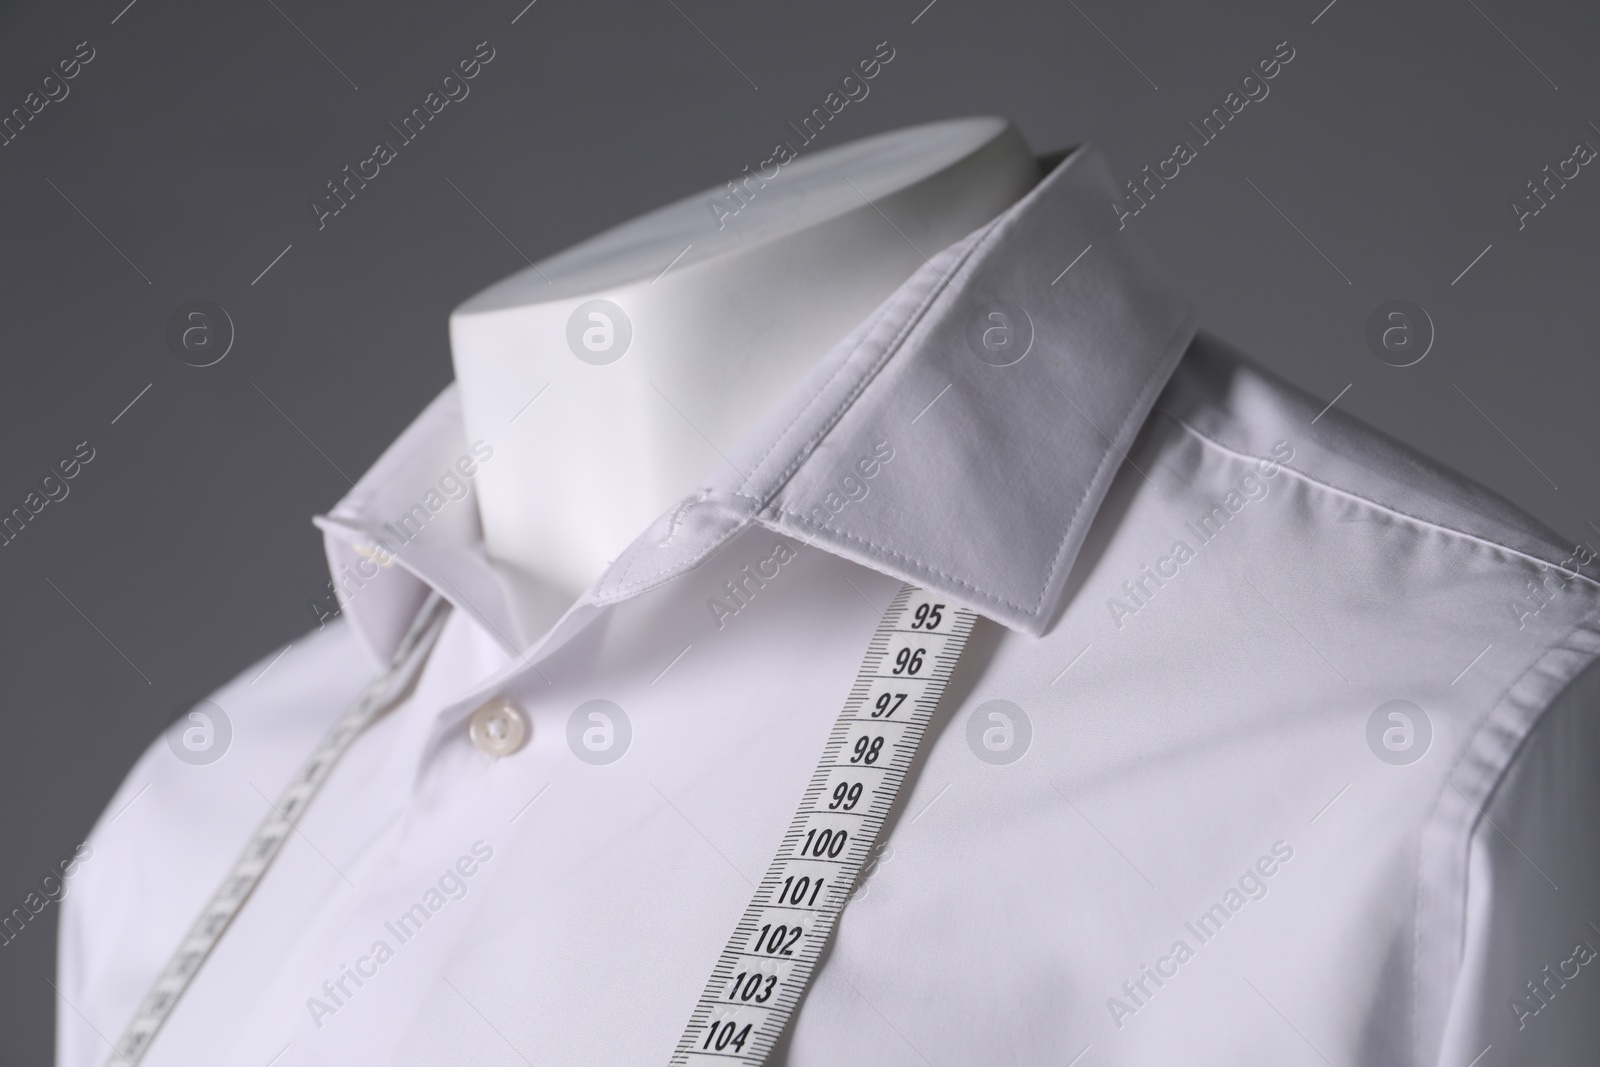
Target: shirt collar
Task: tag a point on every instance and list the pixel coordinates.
(962, 437)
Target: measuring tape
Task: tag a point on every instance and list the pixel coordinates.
(759, 979)
(386, 691)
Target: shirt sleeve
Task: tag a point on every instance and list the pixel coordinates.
(1529, 984)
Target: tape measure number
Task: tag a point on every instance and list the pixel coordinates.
(762, 974)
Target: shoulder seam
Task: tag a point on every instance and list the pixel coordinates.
(1377, 505)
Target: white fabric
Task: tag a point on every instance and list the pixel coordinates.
(1199, 771)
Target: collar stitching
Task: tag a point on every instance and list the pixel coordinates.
(1141, 408)
(804, 451)
(622, 586)
(822, 387)
(916, 563)
(870, 374)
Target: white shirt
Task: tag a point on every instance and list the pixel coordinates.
(1198, 832)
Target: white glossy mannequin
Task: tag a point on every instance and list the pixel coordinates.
(725, 321)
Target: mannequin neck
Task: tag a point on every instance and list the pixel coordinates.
(603, 415)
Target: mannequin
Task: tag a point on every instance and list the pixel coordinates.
(612, 377)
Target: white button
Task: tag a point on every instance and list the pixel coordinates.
(498, 728)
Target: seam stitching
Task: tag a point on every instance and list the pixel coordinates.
(915, 563)
(1563, 644)
(1141, 408)
(829, 421)
(1379, 505)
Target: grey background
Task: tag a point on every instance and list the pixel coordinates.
(195, 139)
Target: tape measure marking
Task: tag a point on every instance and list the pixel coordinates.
(381, 695)
(764, 970)
(759, 979)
